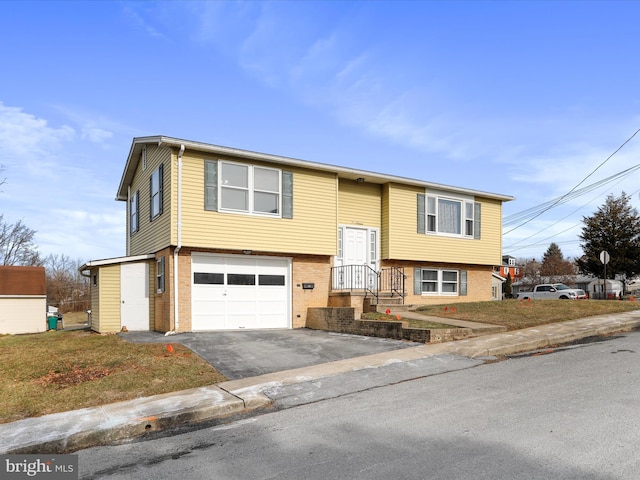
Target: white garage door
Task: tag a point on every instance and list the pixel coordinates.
(232, 292)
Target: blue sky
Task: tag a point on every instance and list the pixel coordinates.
(519, 98)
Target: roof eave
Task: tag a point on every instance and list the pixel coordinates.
(342, 172)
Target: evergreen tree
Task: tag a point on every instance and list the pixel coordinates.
(614, 228)
(554, 265)
(508, 290)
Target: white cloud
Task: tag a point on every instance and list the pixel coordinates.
(53, 174)
(140, 22)
(25, 134)
(96, 135)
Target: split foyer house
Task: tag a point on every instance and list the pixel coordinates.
(223, 238)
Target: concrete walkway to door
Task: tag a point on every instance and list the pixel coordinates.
(249, 353)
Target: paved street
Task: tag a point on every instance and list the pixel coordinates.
(571, 414)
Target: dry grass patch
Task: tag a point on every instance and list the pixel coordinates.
(67, 370)
(515, 314)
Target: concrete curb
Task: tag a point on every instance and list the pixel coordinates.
(78, 429)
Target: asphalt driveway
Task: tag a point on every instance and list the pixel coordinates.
(241, 354)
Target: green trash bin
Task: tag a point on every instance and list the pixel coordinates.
(52, 322)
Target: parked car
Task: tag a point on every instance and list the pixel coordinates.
(552, 291)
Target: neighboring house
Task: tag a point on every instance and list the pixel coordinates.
(23, 300)
(496, 286)
(509, 267)
(222, 238)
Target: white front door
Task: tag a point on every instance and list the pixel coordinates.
(355, 246)
(134, 296)
(358, 255)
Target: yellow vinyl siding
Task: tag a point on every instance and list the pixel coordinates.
(359, 203)
(109, 303)
(152, 235)
(312, 229)
(406, 244)
(385, 218)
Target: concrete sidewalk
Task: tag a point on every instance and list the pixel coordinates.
(74, 430)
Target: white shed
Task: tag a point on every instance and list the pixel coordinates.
(596, 289)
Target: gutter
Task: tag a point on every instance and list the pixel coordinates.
(176, 309)
(128, 221)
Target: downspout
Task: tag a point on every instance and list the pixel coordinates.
(128, 220)
(176, 309)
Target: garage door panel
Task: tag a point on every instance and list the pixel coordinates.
(233, 292)
(239, 320)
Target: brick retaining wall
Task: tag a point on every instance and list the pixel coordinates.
(342, 320)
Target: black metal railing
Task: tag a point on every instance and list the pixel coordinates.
(363, 278)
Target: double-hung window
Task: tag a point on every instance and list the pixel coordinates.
(237, 187)
(434, 281)
(448, 216)
(251, 189)
(156, 187)
(160, 275)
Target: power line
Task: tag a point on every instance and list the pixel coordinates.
(558, 200)
(516, 217)
(568, 215)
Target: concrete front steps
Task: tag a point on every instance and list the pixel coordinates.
(475, 327)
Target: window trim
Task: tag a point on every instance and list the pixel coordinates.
(251, 190)
(439, 282)
(160, 274)
(159, 193)
(434, 217)
(429, 215)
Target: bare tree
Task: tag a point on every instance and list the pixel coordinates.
(16, 244)
(530, 271)
(66, 287)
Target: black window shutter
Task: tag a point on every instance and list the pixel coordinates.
(421, 213)
(211, 185)
(151, 197)
(161, 187)
(287, 194)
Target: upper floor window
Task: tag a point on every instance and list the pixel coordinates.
(249, 188)
(134, 212)
(512, 262)
(236, 187)
(445, 215)
(156, 187)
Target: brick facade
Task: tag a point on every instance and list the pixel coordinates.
(306, 269)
